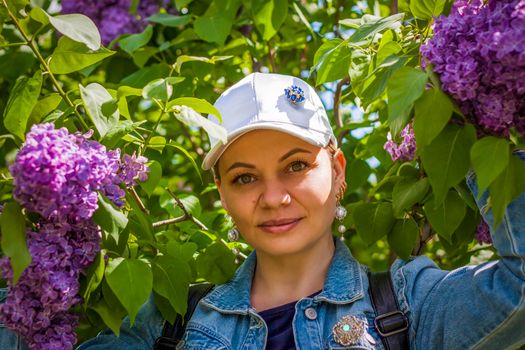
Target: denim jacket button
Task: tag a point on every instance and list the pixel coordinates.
(310, 313)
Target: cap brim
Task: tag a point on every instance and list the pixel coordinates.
(311, 136)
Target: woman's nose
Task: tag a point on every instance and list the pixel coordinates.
(274, 195)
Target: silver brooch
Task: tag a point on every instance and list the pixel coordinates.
(348, 330)
(294, 94)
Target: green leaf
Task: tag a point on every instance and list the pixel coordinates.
(357, 173)
(179, 4)
(403, 237)
(198, 104)
(171, 279)
(446, 217)
(446, 160)
(373, 25)
(506, 187)
(109, 107)
(169, 20)
(405, 86)
(94, 96)
(39, 15)
(15, 5)
(132, 42)
(115, 134)
(373, 220)
(124, 91)
(489, 156)
(154, 176)
(158, 89)
(70, 56)
(427, 9)
(374, 87)
(157, 143)
(359, 64)
(465, 232)
(14, 245)
(188, 116)
(77, 27)
(387, 49)
(44, 106)
(269, 17)
(166, 310)
(190, 202)
(146, 227)
(216, 264)
(94, 274)
(132, 281)
(183, 251)
(142, 55)
(107, 312)
(22, 99)
(188, 156)
(140, 78)
(408, 192)
(331, 61)
(185, 58)
(432, 113)
(213, 29)
(109, 218)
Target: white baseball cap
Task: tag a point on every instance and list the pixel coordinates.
(270, 101)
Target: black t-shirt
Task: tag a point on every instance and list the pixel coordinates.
(280, 326)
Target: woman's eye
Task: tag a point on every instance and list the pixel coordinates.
(297, 166)
(244, 179)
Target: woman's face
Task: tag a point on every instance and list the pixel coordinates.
(280, 190)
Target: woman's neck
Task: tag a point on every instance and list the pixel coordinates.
(284, 279)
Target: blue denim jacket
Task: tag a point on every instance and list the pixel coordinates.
(9, 340)
(473, 307)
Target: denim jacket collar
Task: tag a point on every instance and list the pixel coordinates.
(343, 284)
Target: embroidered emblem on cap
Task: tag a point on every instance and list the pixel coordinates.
(294, 94)
(348, 330)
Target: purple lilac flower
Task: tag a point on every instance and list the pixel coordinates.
(483, 233)
(406, 150)
(114, 17)
(133, 167)
(38, 306)
(57, 174)
(479, 53)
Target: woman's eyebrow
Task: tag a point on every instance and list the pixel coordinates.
(292, 152)
(240, 165)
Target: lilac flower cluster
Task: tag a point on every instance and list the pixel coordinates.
(483, 233)
(133, 167)
(479, 53)
(57, 175)
(114, 17)
(38, 306)
(406, 150)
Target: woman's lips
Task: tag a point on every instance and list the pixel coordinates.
(279, 226)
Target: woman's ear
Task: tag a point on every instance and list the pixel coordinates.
(223, 202)
(339, 164)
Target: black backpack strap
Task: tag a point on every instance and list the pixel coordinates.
(390, 322)
(172, 333)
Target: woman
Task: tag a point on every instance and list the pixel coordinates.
(280, 176)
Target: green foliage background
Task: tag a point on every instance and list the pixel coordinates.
(146, 91)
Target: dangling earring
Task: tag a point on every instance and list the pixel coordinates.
(340, 212)
(233, 236)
